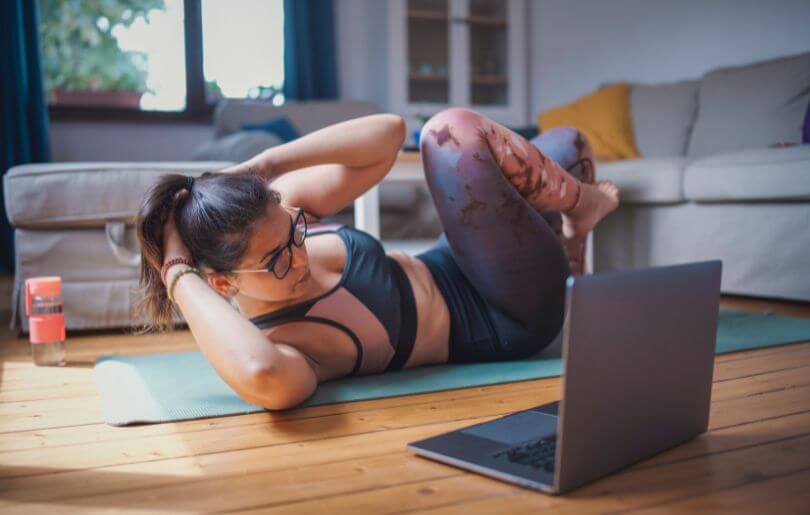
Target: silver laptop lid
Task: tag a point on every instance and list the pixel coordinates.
(638, 354)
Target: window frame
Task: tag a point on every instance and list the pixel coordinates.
(197, 110)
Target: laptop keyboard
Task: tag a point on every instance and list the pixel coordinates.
(537, 453)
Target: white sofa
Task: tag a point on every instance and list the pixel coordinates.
(715, 181)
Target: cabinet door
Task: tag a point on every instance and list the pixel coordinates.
(428, 51)
(469, 53)
(419, 66)
(495, 52)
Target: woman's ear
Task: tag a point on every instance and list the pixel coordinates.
(221, 283)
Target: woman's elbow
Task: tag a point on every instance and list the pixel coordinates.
(399, 129)
(269, 392)
(278, 404)
(258, 394)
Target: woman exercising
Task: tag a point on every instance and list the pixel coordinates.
(318, 301)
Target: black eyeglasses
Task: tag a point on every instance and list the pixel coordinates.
(281, 261)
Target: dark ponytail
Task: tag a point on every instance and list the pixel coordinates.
(213, 221)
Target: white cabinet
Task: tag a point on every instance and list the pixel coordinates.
(459, 53)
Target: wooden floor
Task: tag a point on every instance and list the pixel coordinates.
(57, 455)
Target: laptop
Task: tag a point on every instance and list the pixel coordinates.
(638, 356)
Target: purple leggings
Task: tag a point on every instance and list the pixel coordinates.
(499, 262)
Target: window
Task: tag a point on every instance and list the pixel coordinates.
(166, 59)
(243, 57)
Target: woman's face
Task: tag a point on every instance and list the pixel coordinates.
(268, 237)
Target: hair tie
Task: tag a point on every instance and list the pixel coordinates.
(189, 183)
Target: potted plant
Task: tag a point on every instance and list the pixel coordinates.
(83, 64)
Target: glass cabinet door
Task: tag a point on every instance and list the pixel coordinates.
(461, 53)
(428, 51)
(488, 52)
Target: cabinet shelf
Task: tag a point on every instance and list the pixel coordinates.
(487, 20)
(428, 76)
(426, 15)
(489, 79)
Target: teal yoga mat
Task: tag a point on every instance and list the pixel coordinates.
(181, 386)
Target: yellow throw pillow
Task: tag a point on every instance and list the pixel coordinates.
(603, 116)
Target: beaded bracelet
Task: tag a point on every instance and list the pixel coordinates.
(177, 276)
(174, 261)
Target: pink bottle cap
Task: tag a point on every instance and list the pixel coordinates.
(44, 328)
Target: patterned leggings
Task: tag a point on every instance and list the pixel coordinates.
(500, 261)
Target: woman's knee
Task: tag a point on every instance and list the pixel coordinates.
(454, 127)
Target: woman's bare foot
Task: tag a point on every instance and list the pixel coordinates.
(596, 201)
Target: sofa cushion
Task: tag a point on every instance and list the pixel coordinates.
(237, 147)
(653, 180)
(781, 173)
(85, 194)
(603, 116)
(751, 106)
(307, 116)
(663, 116)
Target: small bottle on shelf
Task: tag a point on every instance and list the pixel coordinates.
(46, 320)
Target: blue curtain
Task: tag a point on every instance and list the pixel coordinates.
(310, 69)
(23, 110)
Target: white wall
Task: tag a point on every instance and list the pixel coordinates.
(579, 44)
(362, 48)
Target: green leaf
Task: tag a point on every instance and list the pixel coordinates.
(77, 54)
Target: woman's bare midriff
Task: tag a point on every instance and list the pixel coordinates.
(330, 351)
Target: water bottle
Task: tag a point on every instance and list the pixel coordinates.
(46, 320)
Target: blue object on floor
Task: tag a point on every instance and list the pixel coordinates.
(182, 385)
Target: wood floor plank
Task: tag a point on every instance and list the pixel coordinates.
(742, 410)
(783, 494)
(53, 483)
(738, 436)
(65, 390)
(367, 455)
(761, 383)
(80, 434)
(738, 365)
(639, 488)
(417, 495)
(300, 483)
(352, 486)
(493, 404)
(235, 438)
